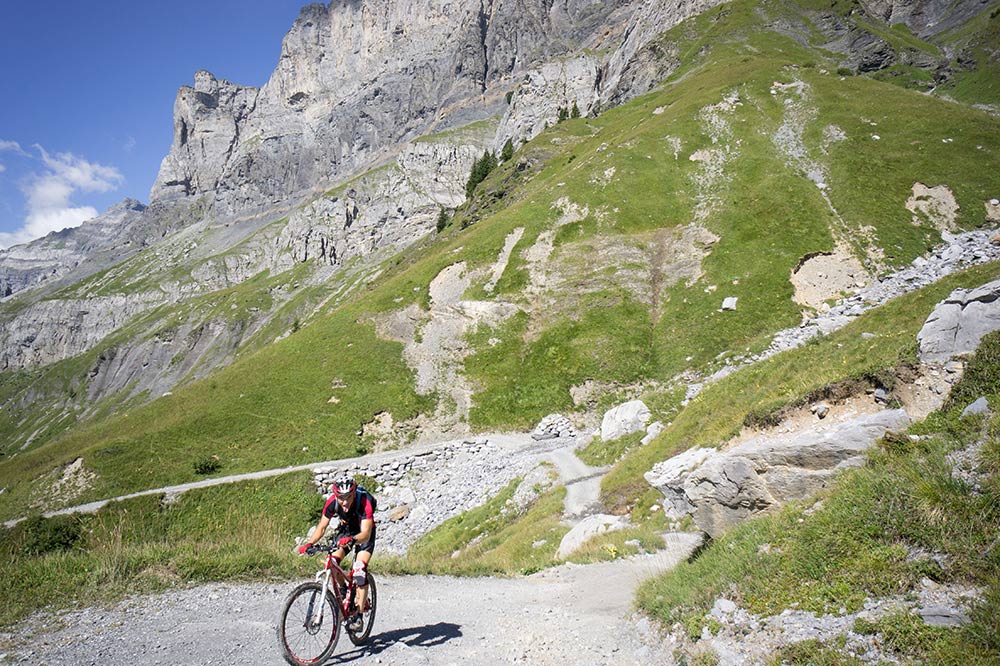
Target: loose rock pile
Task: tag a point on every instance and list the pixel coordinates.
(553, 426)
(958, 252)
(418, 491)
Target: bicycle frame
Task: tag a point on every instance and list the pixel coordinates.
(332, 571)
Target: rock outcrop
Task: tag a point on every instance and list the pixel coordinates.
(720, 489)
(625, 419)
(621, 61)
(959, 322)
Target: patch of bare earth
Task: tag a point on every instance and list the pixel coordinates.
(803, 419)
(436, 345)
(934, 205)
(827, 275)
(641, 265)
(59, 487)
(919, 390)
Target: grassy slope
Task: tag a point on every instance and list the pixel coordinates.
(856, 546)
(719, 411)
(222, 533)
(768, 216)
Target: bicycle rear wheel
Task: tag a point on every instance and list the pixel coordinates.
(368, 617)
(309, 626)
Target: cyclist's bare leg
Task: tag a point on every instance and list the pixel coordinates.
(362, 594)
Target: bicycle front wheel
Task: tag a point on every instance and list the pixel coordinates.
(309, 626)
(368, 616)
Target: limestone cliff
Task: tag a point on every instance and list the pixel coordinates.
(357, 78)
(24, 266)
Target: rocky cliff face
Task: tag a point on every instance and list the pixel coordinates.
(387, 209)
(55, 255)
(357, 78)
(924, 18)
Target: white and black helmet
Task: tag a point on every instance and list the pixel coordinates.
(344, 485)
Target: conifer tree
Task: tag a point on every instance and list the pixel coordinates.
(508, 151)
(480, 170)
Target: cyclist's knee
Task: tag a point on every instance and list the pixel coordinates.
(360, 572)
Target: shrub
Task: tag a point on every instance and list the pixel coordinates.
(207, 465)
(47, 535)
(575, 111)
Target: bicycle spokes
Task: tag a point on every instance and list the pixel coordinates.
(309, 626)
(314, 616)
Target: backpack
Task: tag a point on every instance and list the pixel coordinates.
(371, 498)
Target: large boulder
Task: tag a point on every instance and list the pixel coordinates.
(959, 322)
(624, 420)
(588, 528)
(720, 489)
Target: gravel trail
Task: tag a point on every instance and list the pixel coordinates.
(566, 615)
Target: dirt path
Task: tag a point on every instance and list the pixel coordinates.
(571, 614)
(583, 483)
(506, 440)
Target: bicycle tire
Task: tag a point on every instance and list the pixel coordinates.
(322, 638)
(361, 637)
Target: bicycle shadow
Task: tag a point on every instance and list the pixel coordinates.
(428, 635)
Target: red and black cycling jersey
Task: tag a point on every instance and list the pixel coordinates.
(361, 509)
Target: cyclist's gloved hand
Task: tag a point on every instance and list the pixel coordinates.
(304, 548)
(345, 542)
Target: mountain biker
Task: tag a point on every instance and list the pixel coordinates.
(355, 509)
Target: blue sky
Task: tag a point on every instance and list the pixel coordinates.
(88, 90)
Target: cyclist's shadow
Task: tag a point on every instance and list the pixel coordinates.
(428, 635)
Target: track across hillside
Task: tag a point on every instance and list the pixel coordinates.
(567, 615)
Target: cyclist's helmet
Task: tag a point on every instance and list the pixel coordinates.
(344, 485)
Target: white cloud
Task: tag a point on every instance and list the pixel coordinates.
(129, 145)
(2, 168)
(12, 146)
(48, 194)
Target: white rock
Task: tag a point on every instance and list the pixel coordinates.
(587, 528)
(624, 419)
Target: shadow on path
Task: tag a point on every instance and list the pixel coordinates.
(428, 635)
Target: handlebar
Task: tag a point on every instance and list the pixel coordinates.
(319, 548)
(329, 547)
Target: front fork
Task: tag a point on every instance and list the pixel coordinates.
(324, 589)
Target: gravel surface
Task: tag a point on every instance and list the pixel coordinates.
(567, 615)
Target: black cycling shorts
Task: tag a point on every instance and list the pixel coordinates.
(368, 546)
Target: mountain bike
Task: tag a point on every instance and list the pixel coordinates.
(313, 613)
